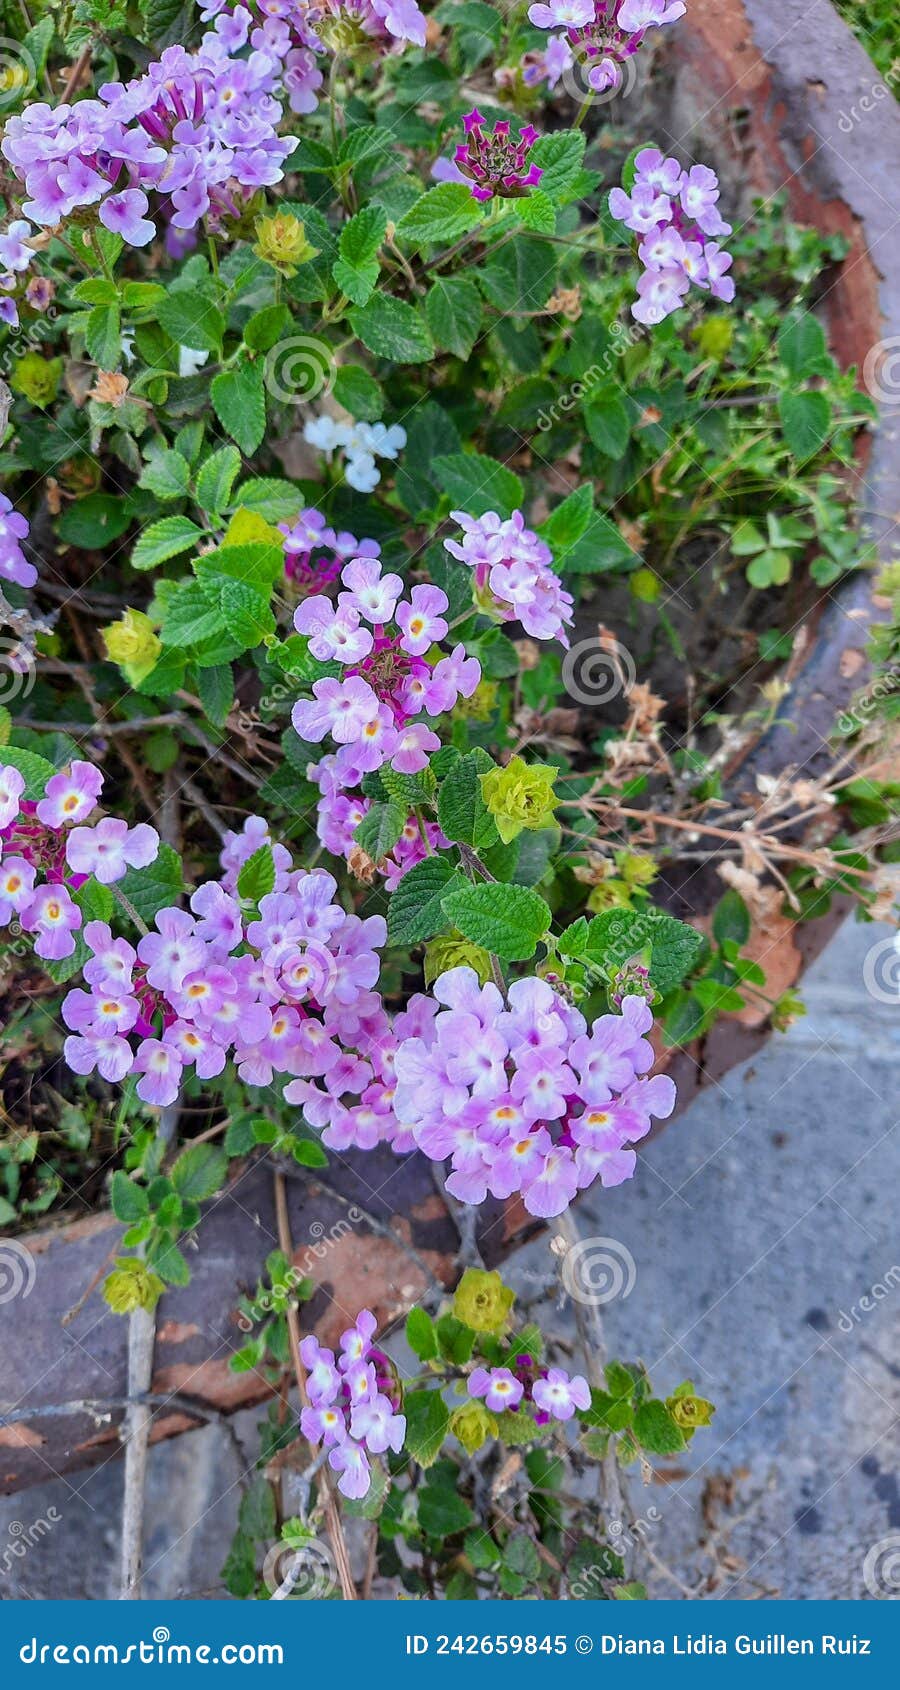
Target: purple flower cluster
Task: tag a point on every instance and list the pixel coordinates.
(46, 851)
(514, 577)
(383, 642)
(677, 213)
(283, 990)
(353, 1404)
(314, 553)
(522, 1095)
(496, 162)
(14, 565)
(548, 1391)
(606, 33)
(15, 258)
(291, 33)
(197, 129)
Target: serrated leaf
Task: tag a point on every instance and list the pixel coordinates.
(415, 912)
(129, 1201)
(239, 401)
(191, 320)
(655, 1429)
(802, 347)
(276, 500)
(537, 211)
(508, 920)
(246, 613)
(257, 876)
(560, 156)
(356, 267)
(477, 484)
(427, 1425)
(216, 477)
(35, 770)
(611, 939)
(393, 329)
(421, 1335)
(215, 689)
(103, 336)
(380, 829)
(166, 473)
(441, 215)
(454, 310)
(164, 539)
(199, 1172)
(359, 393)
(462, 813)
(806, 421)
(607, 421)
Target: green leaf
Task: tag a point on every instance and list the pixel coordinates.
(442, 1512)
(731, 919)
(257, 564)
(415, 911)
(215, 689)
(802, 347)
(454, 310)
(380, 828)
(266, 327)
(606, 420)
(441, 215)
(257, 1515)
(190, 320)
(421, 1335)
(166, 473)
(188, 618)
(168, 1261)
(521, 1556)
(153, 888)
(356, 268)
(216, 478)
(257, 876)
(611, 939)
(239, 401)
(655, 1429)
(508, 920)
(427, 1425)
(393, 329)
(200, 1171)
(103, 337)
(806, 419)
(537, 211)
(561, 157)
(129, 1201)
(633, 1592)
(246, 613)
(94, 521)
(359, 393)
(477, 484)
(164, 539)
(277, 501)
(566, 525)
(462, 813)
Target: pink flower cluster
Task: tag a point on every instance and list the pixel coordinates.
(514, 576)
(353, 1404)
(14, 565)
(197, 129)
(384, 644)
(522, 1095)
(15, 258)
(45, 853)
(496, 162)
(293, 32)
(285, 990)
(314, 552)
(548, 1391)
(677, 213)
(606, 33)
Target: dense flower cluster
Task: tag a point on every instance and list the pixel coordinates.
(514, 577)
(314, 553)
(362, 444)
(283, 991)
(353, 1404)
(47, 853)
(677, 213)
(496, 162)
(14, 565)
(605, 33)
(15, 258)
(383, 643)
(548, 1392)
(197, 129)
(523, 1096)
